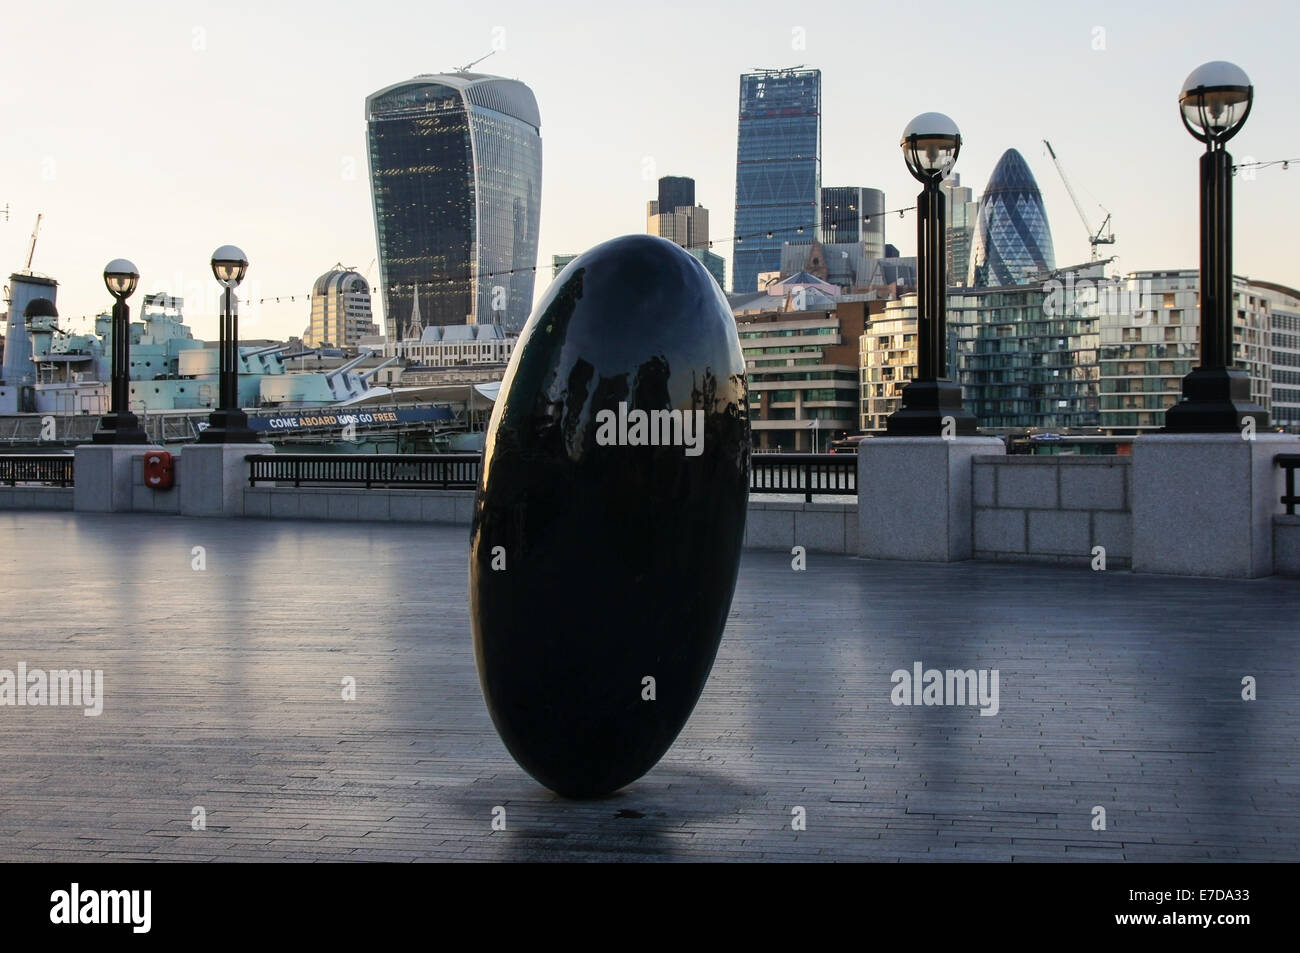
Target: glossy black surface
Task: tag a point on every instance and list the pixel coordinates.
(620, 560)
(1216, 394)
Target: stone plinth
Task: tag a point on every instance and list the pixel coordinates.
(106, 476)
(914, 496)
(1203, 504)
(213, 476)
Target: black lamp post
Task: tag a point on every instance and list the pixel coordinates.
(1214, 104)
(228, 423)
(120, 425)
(930, 144)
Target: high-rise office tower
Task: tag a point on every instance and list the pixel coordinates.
(340, 309)
(851, 214)
(456, 177)
(683, 222)
(1012, 239)
(687, 225)
(778, 168)
(675, 216)
(676, 191)
(960, 212)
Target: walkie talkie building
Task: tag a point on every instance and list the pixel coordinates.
(456, 179)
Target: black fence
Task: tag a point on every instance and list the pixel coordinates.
(809, 474)
(51, 469)
(812, 474)
(1289, 462)
(443, 471)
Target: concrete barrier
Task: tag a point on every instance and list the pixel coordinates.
(1203, 504)
(1052, 509)
(817, 527)
(36, 497)
(1023, 508)
(358, 503)
(1286, 545)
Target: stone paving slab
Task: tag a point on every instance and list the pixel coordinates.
(223, 690)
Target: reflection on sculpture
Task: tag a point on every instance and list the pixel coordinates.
(612, 506)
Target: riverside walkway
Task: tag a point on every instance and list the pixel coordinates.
(226, 647)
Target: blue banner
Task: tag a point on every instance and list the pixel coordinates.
(324, 418)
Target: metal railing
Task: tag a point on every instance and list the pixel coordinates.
(51, 469)
(444, 471)
(1289, 462)
(812, 474)
(809, 474)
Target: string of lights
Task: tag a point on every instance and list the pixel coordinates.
(445, 281)
(452, 282)
(1284, 163)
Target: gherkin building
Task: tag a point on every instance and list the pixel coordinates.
(1012, 239)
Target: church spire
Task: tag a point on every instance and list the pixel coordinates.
(415, 329)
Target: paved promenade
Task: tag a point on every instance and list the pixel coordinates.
(223, 690)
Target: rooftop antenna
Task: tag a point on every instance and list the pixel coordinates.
(467, 67)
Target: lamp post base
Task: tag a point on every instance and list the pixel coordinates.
(228, 426)
(119, 428)
(1215, 401)
(931, 408)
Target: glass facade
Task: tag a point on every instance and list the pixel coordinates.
(558, 262)
(1153, 340)
(1285, 313)
(455, 172)
(778, 168)
(1026, 355)
(887, 360)
(340, 309)
(676, 191)
(850, 214)
(1012, 240)
(1081, 350)
(842, 213)
(960, 212)
(715, 264)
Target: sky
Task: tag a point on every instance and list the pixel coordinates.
(157, 131)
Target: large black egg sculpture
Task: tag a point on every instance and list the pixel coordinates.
(610, 515)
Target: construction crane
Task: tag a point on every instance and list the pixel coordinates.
(31, 251)
(1094, 238)
(466, 69)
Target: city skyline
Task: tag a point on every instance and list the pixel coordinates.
(291, 188)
